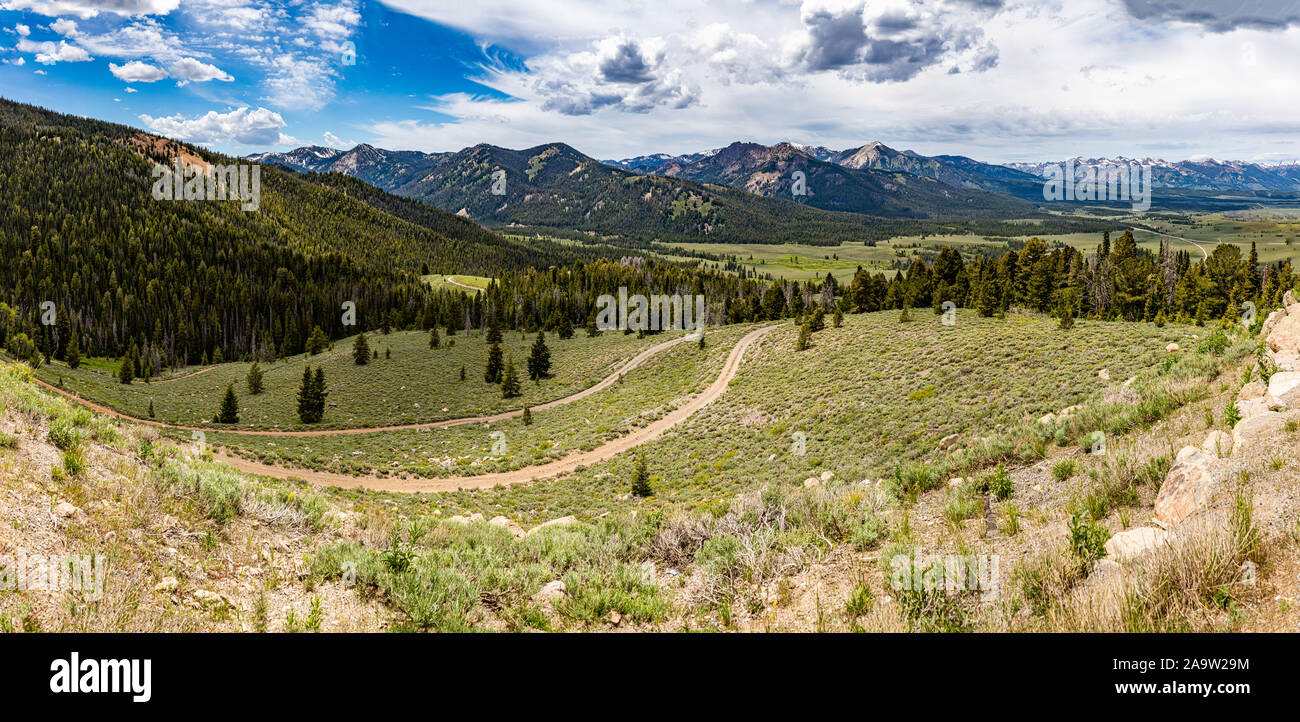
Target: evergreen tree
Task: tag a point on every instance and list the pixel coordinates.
(700, 344)
(361, 350)
(494, 330)
(317, 341)
(839, 316)
(802, 342)
(905, 315)
(592, 330)
(539, 359)
(127, 373)
(641, 478)
(510, 380)
(462, 373)
(229, 413)
(320, 394)
(493, 373)
(565, 328)
(311, 396)
(73, 352)
(151, 408)
(254, 379)
(1066, 311)
(434, 339)
(527, 416)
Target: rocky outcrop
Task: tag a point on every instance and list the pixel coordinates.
(1283, 391)
(1217, 443)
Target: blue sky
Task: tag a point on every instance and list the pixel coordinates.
(1000, 80)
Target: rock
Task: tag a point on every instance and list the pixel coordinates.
(1287, 360)
(1273, 319)
(550, 591)
(955, 482)
(947, 441)
(811, 482)
(562, 521)
(1217, 443)
(168, 584)
(1285, 336)
(458, 519)
(476, 517)
(508, 525)
(1288, 298)
(1068, 411)
(1283, 390)
(614, 617)
(1047, 419)
(1172, 348)
(64, 510)
(1251, 407)
(1190, 485)
(1255, 428)
(827, 476)
(208, 598)
(1104, 375)
(1134, 543)
(1252, 390)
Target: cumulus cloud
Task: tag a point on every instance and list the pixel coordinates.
(90, 8)
(332, 21)
(22, 30)
(137, 72)
(1219, 16)
(300, 82)
(189, 70)
(64, 27)
(259, 127)
(49, 53)
(334, 141)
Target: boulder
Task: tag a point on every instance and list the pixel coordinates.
(1251, 407)
(1252, 390)
(550, 591)
(1289, 299)
(1287, 360)
(947, 441)
(1283, 390)
(1173, 348)
(827, 476)
(1271, 322)
(168, 584)
(1285, 336)
(955, 482)
(562, 521)
(1134, 543)
(507, 524)
(1104, 374)
(1259, 426)
(64, 510)
(1217, 443)
(811, 482)
(1068, 411)
(1047, 419)
(208, 598)
(1190, 484)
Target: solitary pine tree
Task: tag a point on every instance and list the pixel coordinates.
(254, 379)
(361, 350)
(527, 417)
(317, 341)
(641, 478)
(1067, 313)
(462, 373)
(73, 352)
(539, 359)
(318, 388)
(151, 408)
(311, 396)
(839, 317)
(229, 413)
(802, 342)
(565, 329)
(493, 373)
(592, 331)
(127, 372)
(700, 344)
(510, 380)
(434, 339)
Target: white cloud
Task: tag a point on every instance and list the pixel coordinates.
(259, 127)
(64, 27)
(336, 142)
(187, 70)
(333, 21)
(132, 90)
(298, 82)
(23, 30)
(137, 72)
(90, 8)
(49, 53)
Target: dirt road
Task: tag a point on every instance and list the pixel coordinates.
(555, 468)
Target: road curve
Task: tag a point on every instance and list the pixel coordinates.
(506, 478)
(1204, 254)
(445, 424)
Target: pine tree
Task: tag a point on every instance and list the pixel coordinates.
(494, 330)
(1066, 310)
(151, 408)
(700, 344)
(539, 359)
(434, 339)
(493, 373)
(317, 341)
(839, 316)
(73, 352)
(905, 315)
(320, 394)
(641, 478)
(127, 372)
(592, 331)
(311, 396)
(802, 342)
(254, 379)
(361, 350)
(510, 380)
(229, 413)
(565, 328)
(527, 417)
(462, 373)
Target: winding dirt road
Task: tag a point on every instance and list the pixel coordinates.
(445, 424)
(519, 476)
